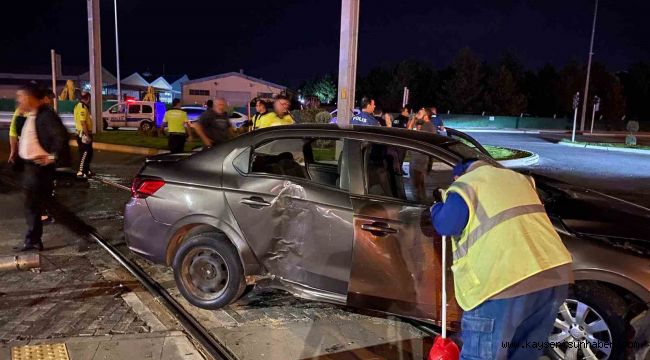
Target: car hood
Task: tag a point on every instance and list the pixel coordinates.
(588, 213)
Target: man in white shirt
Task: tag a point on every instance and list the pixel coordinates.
(43, 143)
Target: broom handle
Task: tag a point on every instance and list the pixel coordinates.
(444, 287)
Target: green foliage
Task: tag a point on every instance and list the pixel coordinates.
(632, 127)
(306, 115)
(324, 88)
(323, 117)
(463, 91)
(504, 97)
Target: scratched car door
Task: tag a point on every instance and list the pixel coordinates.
(396, 258)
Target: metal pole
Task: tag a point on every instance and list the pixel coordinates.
(576, 103)
(117, 55)
(347, 59)
(95, 62)
(591, 53)
(593, 116)
(53, 56)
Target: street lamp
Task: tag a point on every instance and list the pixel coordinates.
(593, 113)
(576, 103)
(591, 53)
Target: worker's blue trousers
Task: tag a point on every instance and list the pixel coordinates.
(514, 328)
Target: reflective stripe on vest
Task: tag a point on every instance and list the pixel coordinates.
(508, 236)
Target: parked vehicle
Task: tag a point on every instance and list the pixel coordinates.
(326, 214)
(143, 115)
(335, 118)
(237, 119)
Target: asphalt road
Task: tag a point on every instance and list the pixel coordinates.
(621, 174)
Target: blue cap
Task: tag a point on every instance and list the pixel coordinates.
(462, 167)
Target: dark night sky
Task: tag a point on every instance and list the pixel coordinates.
(290, 41)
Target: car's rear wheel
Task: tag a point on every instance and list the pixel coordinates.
(115, 127)
(146, 126)
(208, 271)
(590, 325)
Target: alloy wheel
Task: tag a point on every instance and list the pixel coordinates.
(580, 333)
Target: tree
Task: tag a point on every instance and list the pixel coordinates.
(541, 90)
(504, 96)
(463, 92)
(636, 85)
(324, 88)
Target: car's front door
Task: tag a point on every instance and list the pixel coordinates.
(298, 225)
(133, 116)
(117, 115)
(396, 262)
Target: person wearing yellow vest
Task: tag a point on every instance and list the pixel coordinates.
(511, 269)
(16, 121)
(279, 116)
(262, 110)
(175, 121)
(83, 125)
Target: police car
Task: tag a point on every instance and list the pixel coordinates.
(237, 119)
(143, 115)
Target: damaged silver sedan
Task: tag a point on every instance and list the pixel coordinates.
(339, 215)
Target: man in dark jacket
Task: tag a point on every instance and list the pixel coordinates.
(43, 144)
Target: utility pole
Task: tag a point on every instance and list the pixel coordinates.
(95, 63)
(591, 54)
(347, 59)
(117, 56)
(576, 104)
(405, 97)
(53, 56)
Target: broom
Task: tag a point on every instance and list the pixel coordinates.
(444, 348)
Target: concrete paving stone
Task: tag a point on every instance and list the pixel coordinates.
(179, 347)
(150, 348)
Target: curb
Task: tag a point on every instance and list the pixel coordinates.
(504, 131)
(125, 149)
(606, 148)
(523, 162)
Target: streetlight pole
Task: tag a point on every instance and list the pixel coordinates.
(95, 62)
(347, 59)
(576, 104)
(117, 55)
(591, 53)
(593, 113)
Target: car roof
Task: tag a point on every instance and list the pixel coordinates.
(422, 136)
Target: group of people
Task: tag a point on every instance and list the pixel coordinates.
(213, 125)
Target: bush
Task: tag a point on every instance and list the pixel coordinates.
(306, 115)
(323, 117)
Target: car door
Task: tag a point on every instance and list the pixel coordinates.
(299, 227)
(396, 261)
(133, 116)
(117, 116)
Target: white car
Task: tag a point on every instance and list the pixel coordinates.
(143, 115)
(193, 113)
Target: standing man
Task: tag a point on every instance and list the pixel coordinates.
(213, 126)
(43, 143)
(420, 163)
(260, 107)
(403, 118)
(437, 122)
(280, 114)
(176, 121)
(83, 124)
(365, 117)
(511, 270)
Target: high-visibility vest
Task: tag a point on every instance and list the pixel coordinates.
(82, 114)
(175, 120)
(508, 237)
(272, 119)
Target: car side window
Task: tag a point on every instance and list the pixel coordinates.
(134, 109)
(404, 174)
(235, 116)
(146, 109)
(283, 157)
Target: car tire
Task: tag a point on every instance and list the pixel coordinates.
(146, 126)
(208, 271)
(602, 303)
(115, 128)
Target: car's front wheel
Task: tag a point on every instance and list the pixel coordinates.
(208, 271)
(589, 325)
(146, 126)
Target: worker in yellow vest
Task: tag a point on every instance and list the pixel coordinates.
(261, 108)
(176, 122)
(84, 125)
(280, 114)
(511, 269)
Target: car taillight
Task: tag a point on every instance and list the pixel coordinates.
(142, 187)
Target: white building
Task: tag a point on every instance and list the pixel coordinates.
(238, 89)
